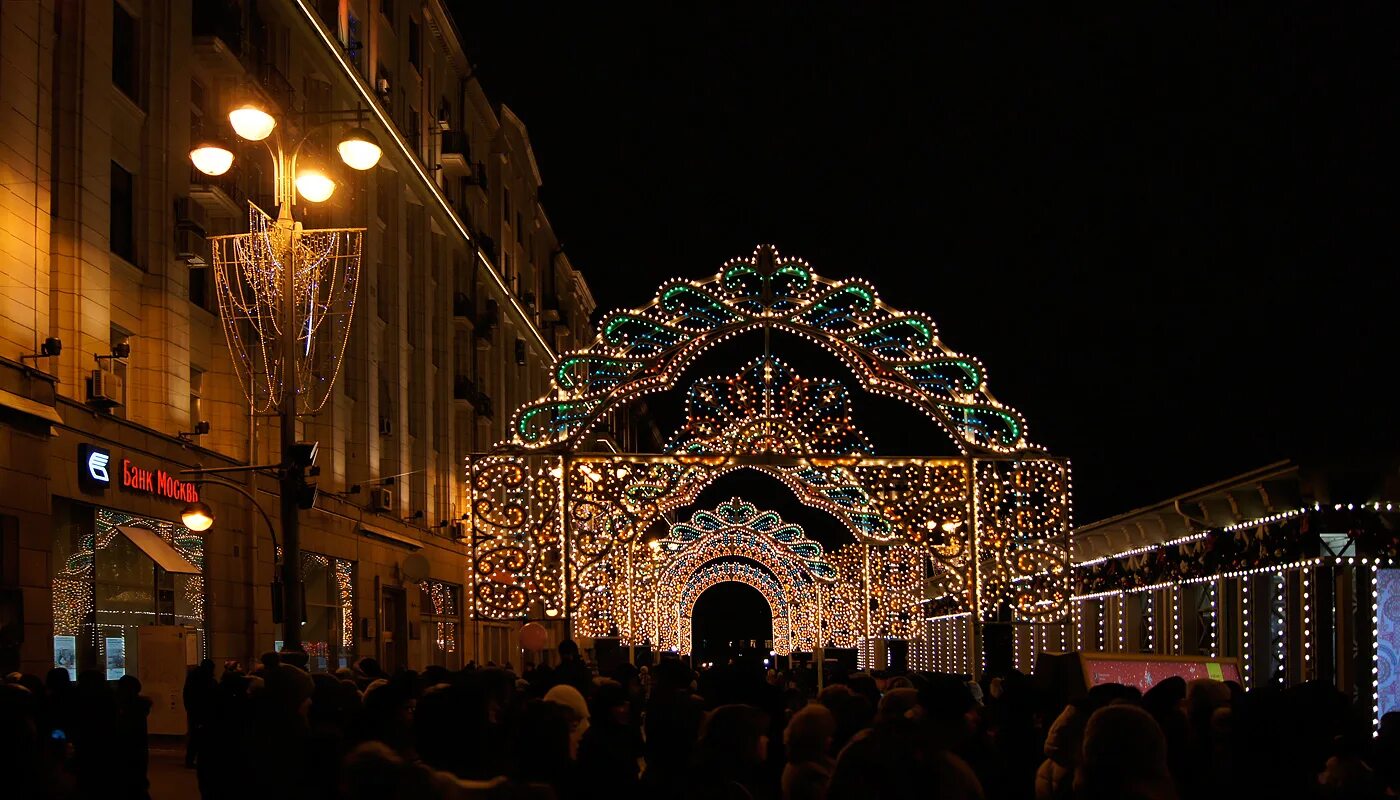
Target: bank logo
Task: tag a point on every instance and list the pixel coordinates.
(97, 466)
(93, 472)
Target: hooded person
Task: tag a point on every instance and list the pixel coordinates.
(570, 698)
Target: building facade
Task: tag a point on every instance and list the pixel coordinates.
(465, 296)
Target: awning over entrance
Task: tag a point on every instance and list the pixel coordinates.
(391, 537)
(158, 550)
(31, 407)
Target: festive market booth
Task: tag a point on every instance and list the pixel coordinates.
(1288, 571)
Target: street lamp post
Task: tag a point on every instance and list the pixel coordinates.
(281, 298)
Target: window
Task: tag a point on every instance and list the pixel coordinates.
(505, 205)
(440, 605)
(414, 45)
(107, 585)
(519, 228)
(386, 7)
(384, 86)
(124, 52)
(121, 234)
(196, 397)
(384, 195)
(329, 631)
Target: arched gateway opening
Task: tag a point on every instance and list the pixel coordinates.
(938, 545)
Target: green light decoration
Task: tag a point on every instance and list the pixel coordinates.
(891, 352)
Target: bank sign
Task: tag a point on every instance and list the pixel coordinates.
(97, 470)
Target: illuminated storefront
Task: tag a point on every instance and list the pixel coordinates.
(115, 573)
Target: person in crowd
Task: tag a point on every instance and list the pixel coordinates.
(808, 739)
(610, 753)
(539, 749)
(131, 754)
(911, 756)
(673, 718)
(567, 696)
(729, 755)
(1125, 756)
(571, 670)
(198, 694)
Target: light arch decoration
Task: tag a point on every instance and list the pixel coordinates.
(559, 531)
(736, 530)
(891, 352)
(717, 572)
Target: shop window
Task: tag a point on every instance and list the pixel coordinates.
(440, 606)
(329, 632)
(115, 574)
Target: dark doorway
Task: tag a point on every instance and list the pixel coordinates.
(731, 620)
(394, 638)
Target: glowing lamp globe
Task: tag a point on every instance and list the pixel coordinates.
(314, 185)
(197, 516)
(211, 158)
(251, 122)
(359, 149)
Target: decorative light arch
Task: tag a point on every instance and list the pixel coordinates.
(717, 572)
(557, 530)
(891, 352)
(734, 530)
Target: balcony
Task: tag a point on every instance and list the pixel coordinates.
(463, 309)
(485, 409)
(219, 195)
(549, 311)
(271, 79)
(456, 154)
(464, 390)
(486, 325)
(217, 31)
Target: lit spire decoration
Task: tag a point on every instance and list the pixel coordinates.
(249, 276)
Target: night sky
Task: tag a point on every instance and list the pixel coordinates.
(1168, 234)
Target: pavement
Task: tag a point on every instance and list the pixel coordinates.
(170, 780)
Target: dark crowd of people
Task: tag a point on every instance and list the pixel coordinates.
(735, 731)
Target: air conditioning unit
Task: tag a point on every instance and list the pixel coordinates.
(191, 247)
(386, 426)
(105, 389)
(189, 214)
(381, 499)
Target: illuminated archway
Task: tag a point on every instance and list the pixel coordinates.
(717, 572)
(559, 530)
(735, 530)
